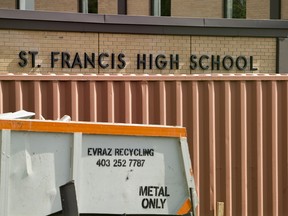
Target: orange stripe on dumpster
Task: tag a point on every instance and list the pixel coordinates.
(185, 208)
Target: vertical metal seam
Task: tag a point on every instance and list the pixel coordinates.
(18, 95)
(212, 151)
(195, 138)
(111, 102)
(179, 104)
(93, 101)
(274, 114)
(145, 103)
(76, 152)
(244, 158)
(128, 102)
(260, 181)
(56, 100)
(162, 98)
(1, 98)
(228, 149)
(74, 100)
(37, 100)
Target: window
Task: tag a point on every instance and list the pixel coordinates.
(161, 7)
(88, 6)
(26, 4)
(235, 9)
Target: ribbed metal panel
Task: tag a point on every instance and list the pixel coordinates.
(237, 125)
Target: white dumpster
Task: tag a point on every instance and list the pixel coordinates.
(117, 169)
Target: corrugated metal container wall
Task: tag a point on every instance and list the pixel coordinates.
(236, 124)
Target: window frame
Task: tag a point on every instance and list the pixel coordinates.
(83, 6)
(22, 4)
(229, 9)
(156, 8)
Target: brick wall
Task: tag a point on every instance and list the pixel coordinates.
(284, 9)
(197, 8)
(8, 4)
(108, 6)
(56, 5)
(138, 7)
(12, 42)
(258, 9)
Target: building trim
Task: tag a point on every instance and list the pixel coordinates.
(54, 21)
(145, 77)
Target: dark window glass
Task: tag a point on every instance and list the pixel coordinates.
(165, 7)
(239, 9)
(235, 9)
(92, 6)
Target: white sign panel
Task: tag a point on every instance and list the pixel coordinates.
(126, 174)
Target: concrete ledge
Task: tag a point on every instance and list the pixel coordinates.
(55, 21)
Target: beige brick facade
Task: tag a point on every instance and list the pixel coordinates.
(197, 8)
(12, 42)
(255, 9)
(56, 5)
(138, 7)
(284, 9)
(107, 6)
(258, 9)
(8, 4)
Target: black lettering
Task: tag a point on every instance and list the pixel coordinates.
(193, 62)
(145, 203)
(163, 191)
(126, 152)
(174, 61)
(201, 59)
(101, 59)
(224, 62)
(148, 152)
(33, 56)
(150, 191)
(99, 152)
(89, 151)
(113, 61)
(150, 61)
(65, 60)
(121, 152)
(77, 61)
(53, 58)
(89, 60)
(251, 64)
(153, 203)
(143, 61)
(244, 63)
(136, 152)
(143, 191)
(160, 61)
(215, 62)
(109, 153)
(162, 202)
(121, 59)
(22, 56)
(116, 152)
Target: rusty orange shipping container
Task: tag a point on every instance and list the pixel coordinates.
(237, 125)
